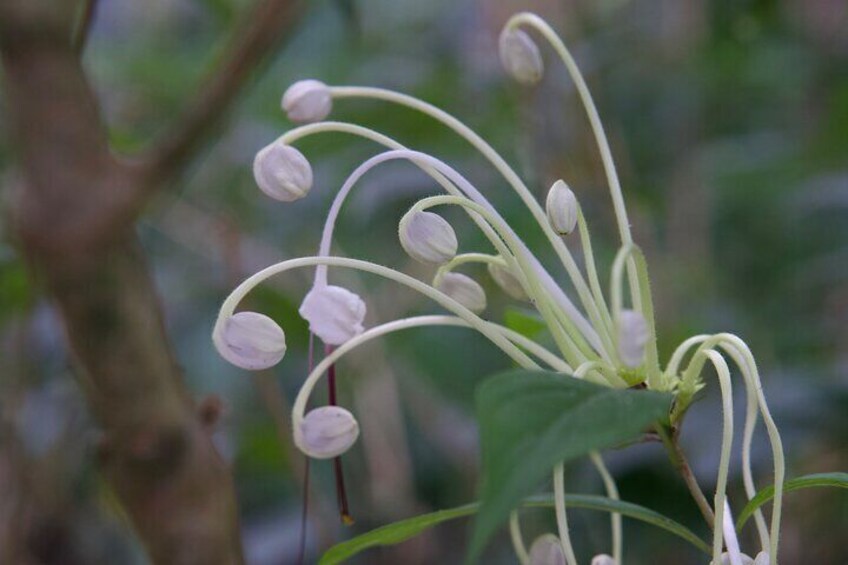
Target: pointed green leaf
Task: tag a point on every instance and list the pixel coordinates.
(839, 480)
(403, 530)
(531, 420)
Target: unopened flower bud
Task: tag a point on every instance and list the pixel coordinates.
(520, 56)
(547, 550)
(327, 432)
(603, 559)
(335, 314)
(633, 336)
(282, 172)
(464, 290)
(307, 101)
(508, 282)
(762, 558)
(561, 206)
(252, 341)
(427, 237)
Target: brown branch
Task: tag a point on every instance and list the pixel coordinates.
(74, 219)
(258, 34)
(681, 464)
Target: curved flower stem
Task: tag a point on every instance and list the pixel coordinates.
(615, 518)
(548, 283)
(464, 258)
(744, 359)
(534, 21)
(679, 461)
(561, 518)
(575, 350)
(592, 273)
(503, 168)
(517, 539)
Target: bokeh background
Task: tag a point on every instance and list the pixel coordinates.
(729, 124)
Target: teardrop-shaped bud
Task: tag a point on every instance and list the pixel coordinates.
(252, 341)
(282, 172)
(561, 206)
(603, 559)
(508, 282)
(327, 432)
(464, 290)
(633, 336)
(307, 101)
(547, 550)
(520, 56)
(335, 314)
(427, 237)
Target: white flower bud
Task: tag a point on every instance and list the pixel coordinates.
(335, 314)
(282, 172)
(520, 56)
(762, 558)
(327, 432)
(633, 336)
(561, 206)
(547, 550)
(307, 101)
(464, 290)
(252, 341)
(603, 559)
(508, 282)
(427, 237)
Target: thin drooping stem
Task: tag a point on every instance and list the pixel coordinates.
(561, 517)
(679, 461)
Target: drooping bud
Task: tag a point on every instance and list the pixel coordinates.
(508, 282)
(520, 56)
(327, 432)
(561, 206)
(427, 237)
(335, 314)
(633, 336)
(603, 559)
(464, 290)
(307, 101)
(547, 550)
(282, 172)
(252, 341)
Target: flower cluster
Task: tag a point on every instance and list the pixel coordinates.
(608, 338)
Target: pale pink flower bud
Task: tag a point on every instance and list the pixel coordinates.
(633, 336)
(508, 282)
(464, 290)
(603, 559)
(743, 560)
(282, 172)
(327, 432)
(762, 558)
(252, 341)
(520, 56)
(307, 101)
(335, 314)
(547, 550)
(561, 206)
(427, 237)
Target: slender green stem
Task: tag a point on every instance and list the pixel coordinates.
(615, 517)
(517, 539)
(561, 517)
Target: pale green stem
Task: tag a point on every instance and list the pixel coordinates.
(517, 539)
(615, 518)
(723, 373)
(465, 258)
(508, 173)
(561, 518)
(571, 350)
(534, 21)
(594, 280)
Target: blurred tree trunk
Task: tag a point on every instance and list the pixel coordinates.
(74, 218)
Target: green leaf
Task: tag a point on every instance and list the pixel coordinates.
(531, 420)
(839, 480)
(403, 530)
(526, 322)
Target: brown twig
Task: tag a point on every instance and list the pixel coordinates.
(252, 41)
(671, 442)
